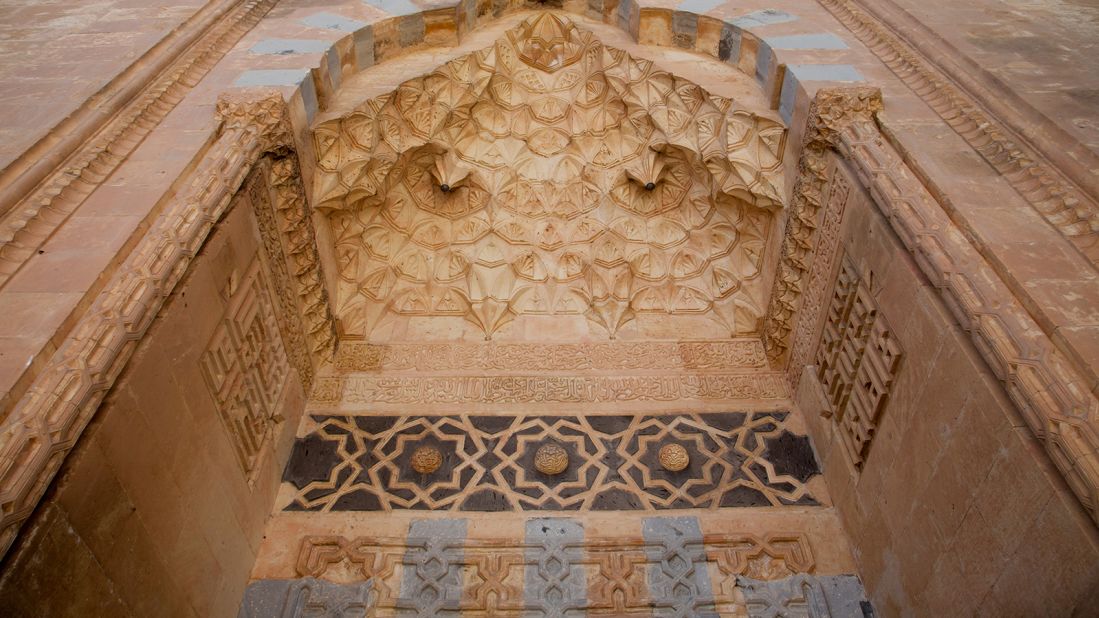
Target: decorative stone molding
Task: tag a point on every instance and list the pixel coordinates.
(539, 388)
(1027, 169)
(619, 355)
(807, 322)
(299, 240)
(258, 190)
(286, 228)
(830, 111)
(549, 175)
(47, 420)
(598, 463)
(619, 575)
(1053, 398)
(51, 195)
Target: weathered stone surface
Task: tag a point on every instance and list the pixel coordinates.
(294, 598)
(806, 596)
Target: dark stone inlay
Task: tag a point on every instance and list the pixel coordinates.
(311, 460)
(736, 459)
(792, 455)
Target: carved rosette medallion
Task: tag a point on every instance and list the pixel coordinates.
(674, 457)
(549, 175)
(426, 459)
(551, 459)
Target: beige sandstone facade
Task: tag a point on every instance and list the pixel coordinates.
(684, 308)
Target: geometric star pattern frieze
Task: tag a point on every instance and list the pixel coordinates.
(549, 174)
(736, 459)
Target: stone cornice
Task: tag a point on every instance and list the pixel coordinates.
(1050, 394)
(35, 198)
(1056, 185)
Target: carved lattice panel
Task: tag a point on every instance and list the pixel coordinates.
(245, 367)
(857, 362)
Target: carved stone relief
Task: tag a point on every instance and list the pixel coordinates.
(618, 355)
(549, 175)
(245, 367)
(857, 362)
(369, 463)
(291, 247)
(830, 111)
(612, 575)
(1047, 389)
(540, 388)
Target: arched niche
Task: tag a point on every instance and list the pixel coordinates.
(548, 179)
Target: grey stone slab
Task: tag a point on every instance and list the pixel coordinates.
(286, 47)
(819, 40)
(364, 47)
(331, 21)
(824, 73)
(395, 7)
(806, 596)
(411, 30)
(335, 68)
(728, 47)
(788, 98)
(272, 77)
(679, 584)
(554, 578)
(764, 58)
(699, 7)
(291, 598)
(432, 576)
(766, 17)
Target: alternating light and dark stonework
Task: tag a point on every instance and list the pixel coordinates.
(614, 462)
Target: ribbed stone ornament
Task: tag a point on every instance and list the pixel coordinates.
(426, 459)
(551, 459)
(674, 457)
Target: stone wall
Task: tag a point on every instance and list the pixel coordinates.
(952, 506)
(159, 511)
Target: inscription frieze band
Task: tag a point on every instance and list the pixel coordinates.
(548, 389)
(730, 354)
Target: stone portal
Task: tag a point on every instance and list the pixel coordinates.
(550, 394)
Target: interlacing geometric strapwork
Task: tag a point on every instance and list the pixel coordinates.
(245, 368)
(549, 175)
(857, 362)
(559, 575)
(364, 463)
